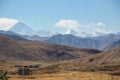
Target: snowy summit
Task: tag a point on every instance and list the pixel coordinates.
(6, 24)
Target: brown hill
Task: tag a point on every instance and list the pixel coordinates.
(108, 57)
(31, 50)
(108, 62)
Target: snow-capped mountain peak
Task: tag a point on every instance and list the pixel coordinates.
(44, 33)
(22, 29)
(6, 24)
(15, 26)
(71, 31)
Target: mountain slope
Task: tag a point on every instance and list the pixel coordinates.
(21, 50)
(104, 41)
(34, 37)
(12, 35)
(71, 40)
(106, 62)
(113, 45)
(108, 57)
(44, 33)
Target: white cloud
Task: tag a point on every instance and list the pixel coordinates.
(69, 24)
(5, 23)
(100, 24)
(83, 30)
(103, 31)
(94, 25)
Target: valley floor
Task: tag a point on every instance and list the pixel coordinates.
(53, 72)
(67, 75)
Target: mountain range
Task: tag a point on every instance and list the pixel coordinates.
(72, 41)
(23, 29)
(102, 42)
(12, 49)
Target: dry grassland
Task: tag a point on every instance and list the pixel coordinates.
(67, 75)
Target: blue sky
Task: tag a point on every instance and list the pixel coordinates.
(45, 14)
